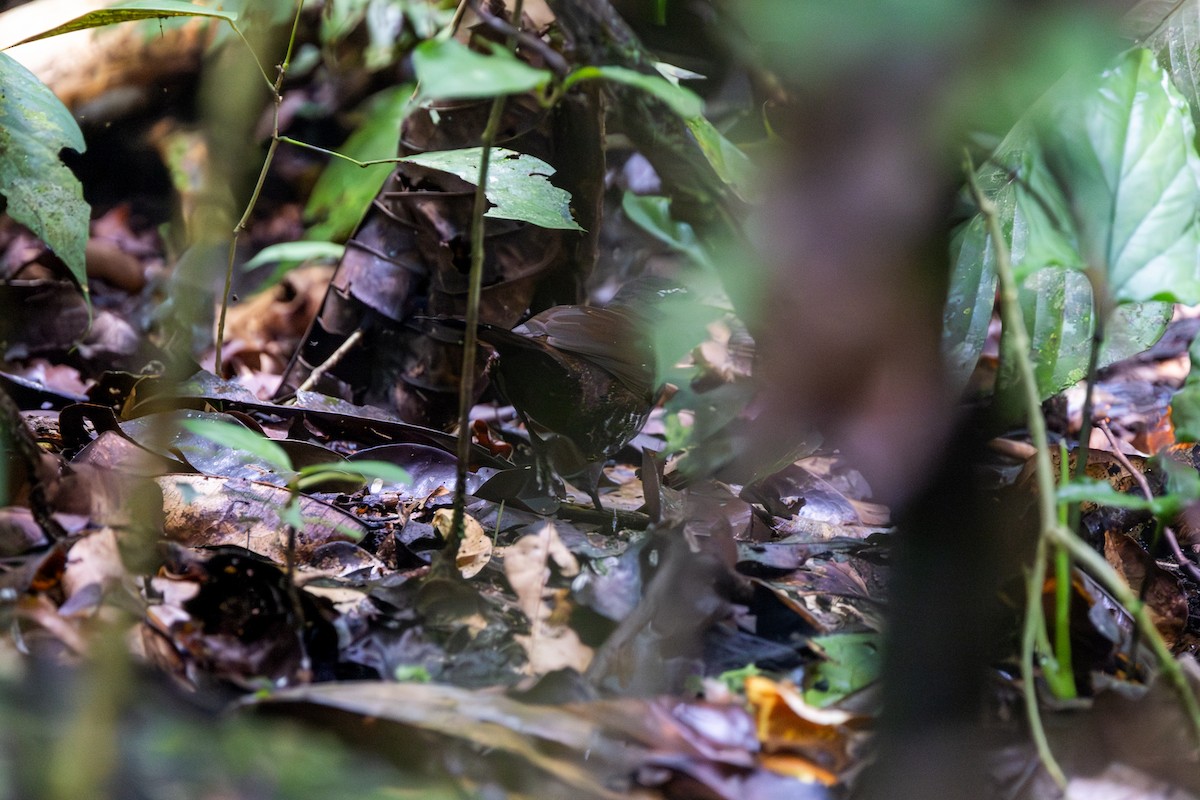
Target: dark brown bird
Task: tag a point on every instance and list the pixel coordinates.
(585, 375)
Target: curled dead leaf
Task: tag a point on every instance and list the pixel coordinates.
(475, 549)
(551, 644)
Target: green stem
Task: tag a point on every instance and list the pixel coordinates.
(466, 393)
(1103, 572)
(1064, 683)
(1051, 531)
(262, 178)
(1013, 320)
(335, 154)
(1064, 677)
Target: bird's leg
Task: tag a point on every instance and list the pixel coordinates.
(557, 455)
(542, 470)
(592, 479)
(566, 459)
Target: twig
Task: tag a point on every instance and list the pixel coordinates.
(1185, 563)
(334, 359)
(262, 179)
(1168, 533)
(554, 60)
(631, 520)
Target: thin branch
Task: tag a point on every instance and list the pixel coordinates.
(554, 60)
(262, 178)
(466, 393)
(334, 359)
(1014, 321)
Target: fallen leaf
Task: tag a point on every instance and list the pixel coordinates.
(475, 547)
(550, 644)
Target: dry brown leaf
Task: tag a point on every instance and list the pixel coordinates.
(475, 548)
(93, 560)
(1165, 598)
(200, 510)
(550, 644)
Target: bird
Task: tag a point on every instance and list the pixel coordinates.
(582, 378)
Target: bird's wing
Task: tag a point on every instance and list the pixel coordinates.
(613, 339)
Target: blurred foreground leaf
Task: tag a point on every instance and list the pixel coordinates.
(41, 193)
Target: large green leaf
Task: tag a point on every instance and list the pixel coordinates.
(684, 102)
(345, 190)
(1058, 310)
(969, 303)
(449, 70)
(1171, 28)
(518, 184)
(1121, 147)
(132, 11)
(1102, 175)
(41, 193)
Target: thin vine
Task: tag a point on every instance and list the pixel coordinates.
(466, 393)
(1051, 529)
(277, 101)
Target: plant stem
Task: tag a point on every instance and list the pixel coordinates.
(1103, 572)
(1013, 320)
(1051, 531)
(262, 178)
(466, 393)
(1064, 682)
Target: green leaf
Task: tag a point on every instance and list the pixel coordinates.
(42, 194)
(449, 70)
(852, 661)
(970, 300)
(289, 255)
(345, 190)
(1183, 482)
(295, 252)
(1121, 148)
(356, 471)
(1185, 405)
(1171, 29)
(1103, 175)
(727, 159)
(132, 11)
(518, 185)
(1103, 493)
(292, 515)
(683, 102)
(1185, 414)
(652, 213)
(1058, 310)
(238, 437)
(380, 470)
